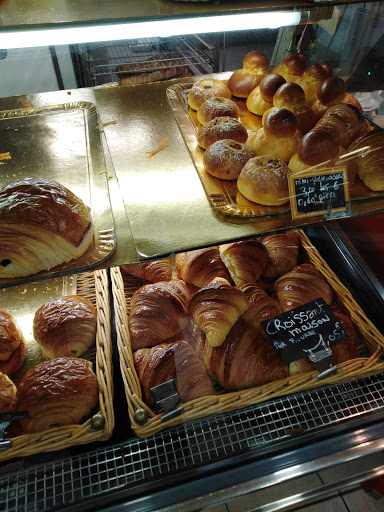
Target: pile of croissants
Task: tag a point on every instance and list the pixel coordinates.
(62, 389)
(202, 328)
(300, 116)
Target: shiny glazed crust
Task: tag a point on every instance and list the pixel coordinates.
(57, 392)
(65, 326)
(264, 180)
(152, 271)
(370, 165)
(242, 82)
(42, 224)
(7, 394)
(10, 336)
(201, 266)
(244, 260)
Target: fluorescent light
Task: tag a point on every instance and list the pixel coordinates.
(136, 30)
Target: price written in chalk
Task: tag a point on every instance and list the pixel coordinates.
(301, 331)
(319, 194)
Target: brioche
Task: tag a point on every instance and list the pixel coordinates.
(244, 260)
(65, 326)
(217, 107)
(7, 394)
(225, 158)
(201, 266)
(291, 96)
(292, 67)
(283, 252)
(12, 344)
(261, 98)
(279, 136)
(158, 311)
(151, 271)
(244, 360)
(216, 308)
(312, 79)
(264, 180)
(58, 392)
(302, 284)
(204, 89)
(223, 127)
(243, 81)
(42, 224)
(173, 360)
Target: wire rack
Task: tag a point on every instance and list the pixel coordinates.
(101, 63)
(76, 479)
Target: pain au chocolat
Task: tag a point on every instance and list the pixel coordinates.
(65, 326)
(42, 224)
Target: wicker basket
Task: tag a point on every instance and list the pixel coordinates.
(94, 286)
(123, 289)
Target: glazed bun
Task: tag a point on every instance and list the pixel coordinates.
(261, 98)
(255, 62)
(312, 79)
(12, 344)
(225, 158)
(57, 392)
(224, 127)
(331, 92)
(7, 394)
(317, 146)
(204, 89)
(291, 96)
(217, 107)
(264, 180)
(42, 224)
(292, 67)
(278, 137)
(243, 81)
(65, 326)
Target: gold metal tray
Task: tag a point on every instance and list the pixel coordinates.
(224, 195)
(62, 143)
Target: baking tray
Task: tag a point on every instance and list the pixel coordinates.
(369, 360)
(224, 195)
(61, 143)
(22, 302)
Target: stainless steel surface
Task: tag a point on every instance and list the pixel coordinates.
(22, 302)
(62, 143)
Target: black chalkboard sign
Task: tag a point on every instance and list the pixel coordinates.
(318, 194)
(304, 330)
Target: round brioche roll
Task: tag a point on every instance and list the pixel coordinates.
(291, 67)
(332, 91)
(58, 392)
(292, 97)
(243, 81)
(225, 158)
(261, 98)
(204, 89)
(312, 79)
(264, 180)
(7, 394)
(217, 107)
(223, 127)
(65, 326)
(255, 62)
(279, 137)
(42, 224)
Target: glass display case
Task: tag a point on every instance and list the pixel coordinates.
(212, 388)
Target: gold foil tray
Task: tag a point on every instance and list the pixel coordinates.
(61, 143)
(223, 194)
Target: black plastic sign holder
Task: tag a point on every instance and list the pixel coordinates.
(306, 331)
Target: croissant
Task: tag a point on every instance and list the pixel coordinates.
(12, 344)
(158, 311)
(7, 394)
(152, 271)
(176, 360)
(201, 266)
(57, 392)
(216, 308)
(245, 359)
(302, 284)
(262, 306)
(244, 260)
(370, 164)
(42, 224)
(65, 326)
(341, 352)
(344, 122)
(283, 251)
